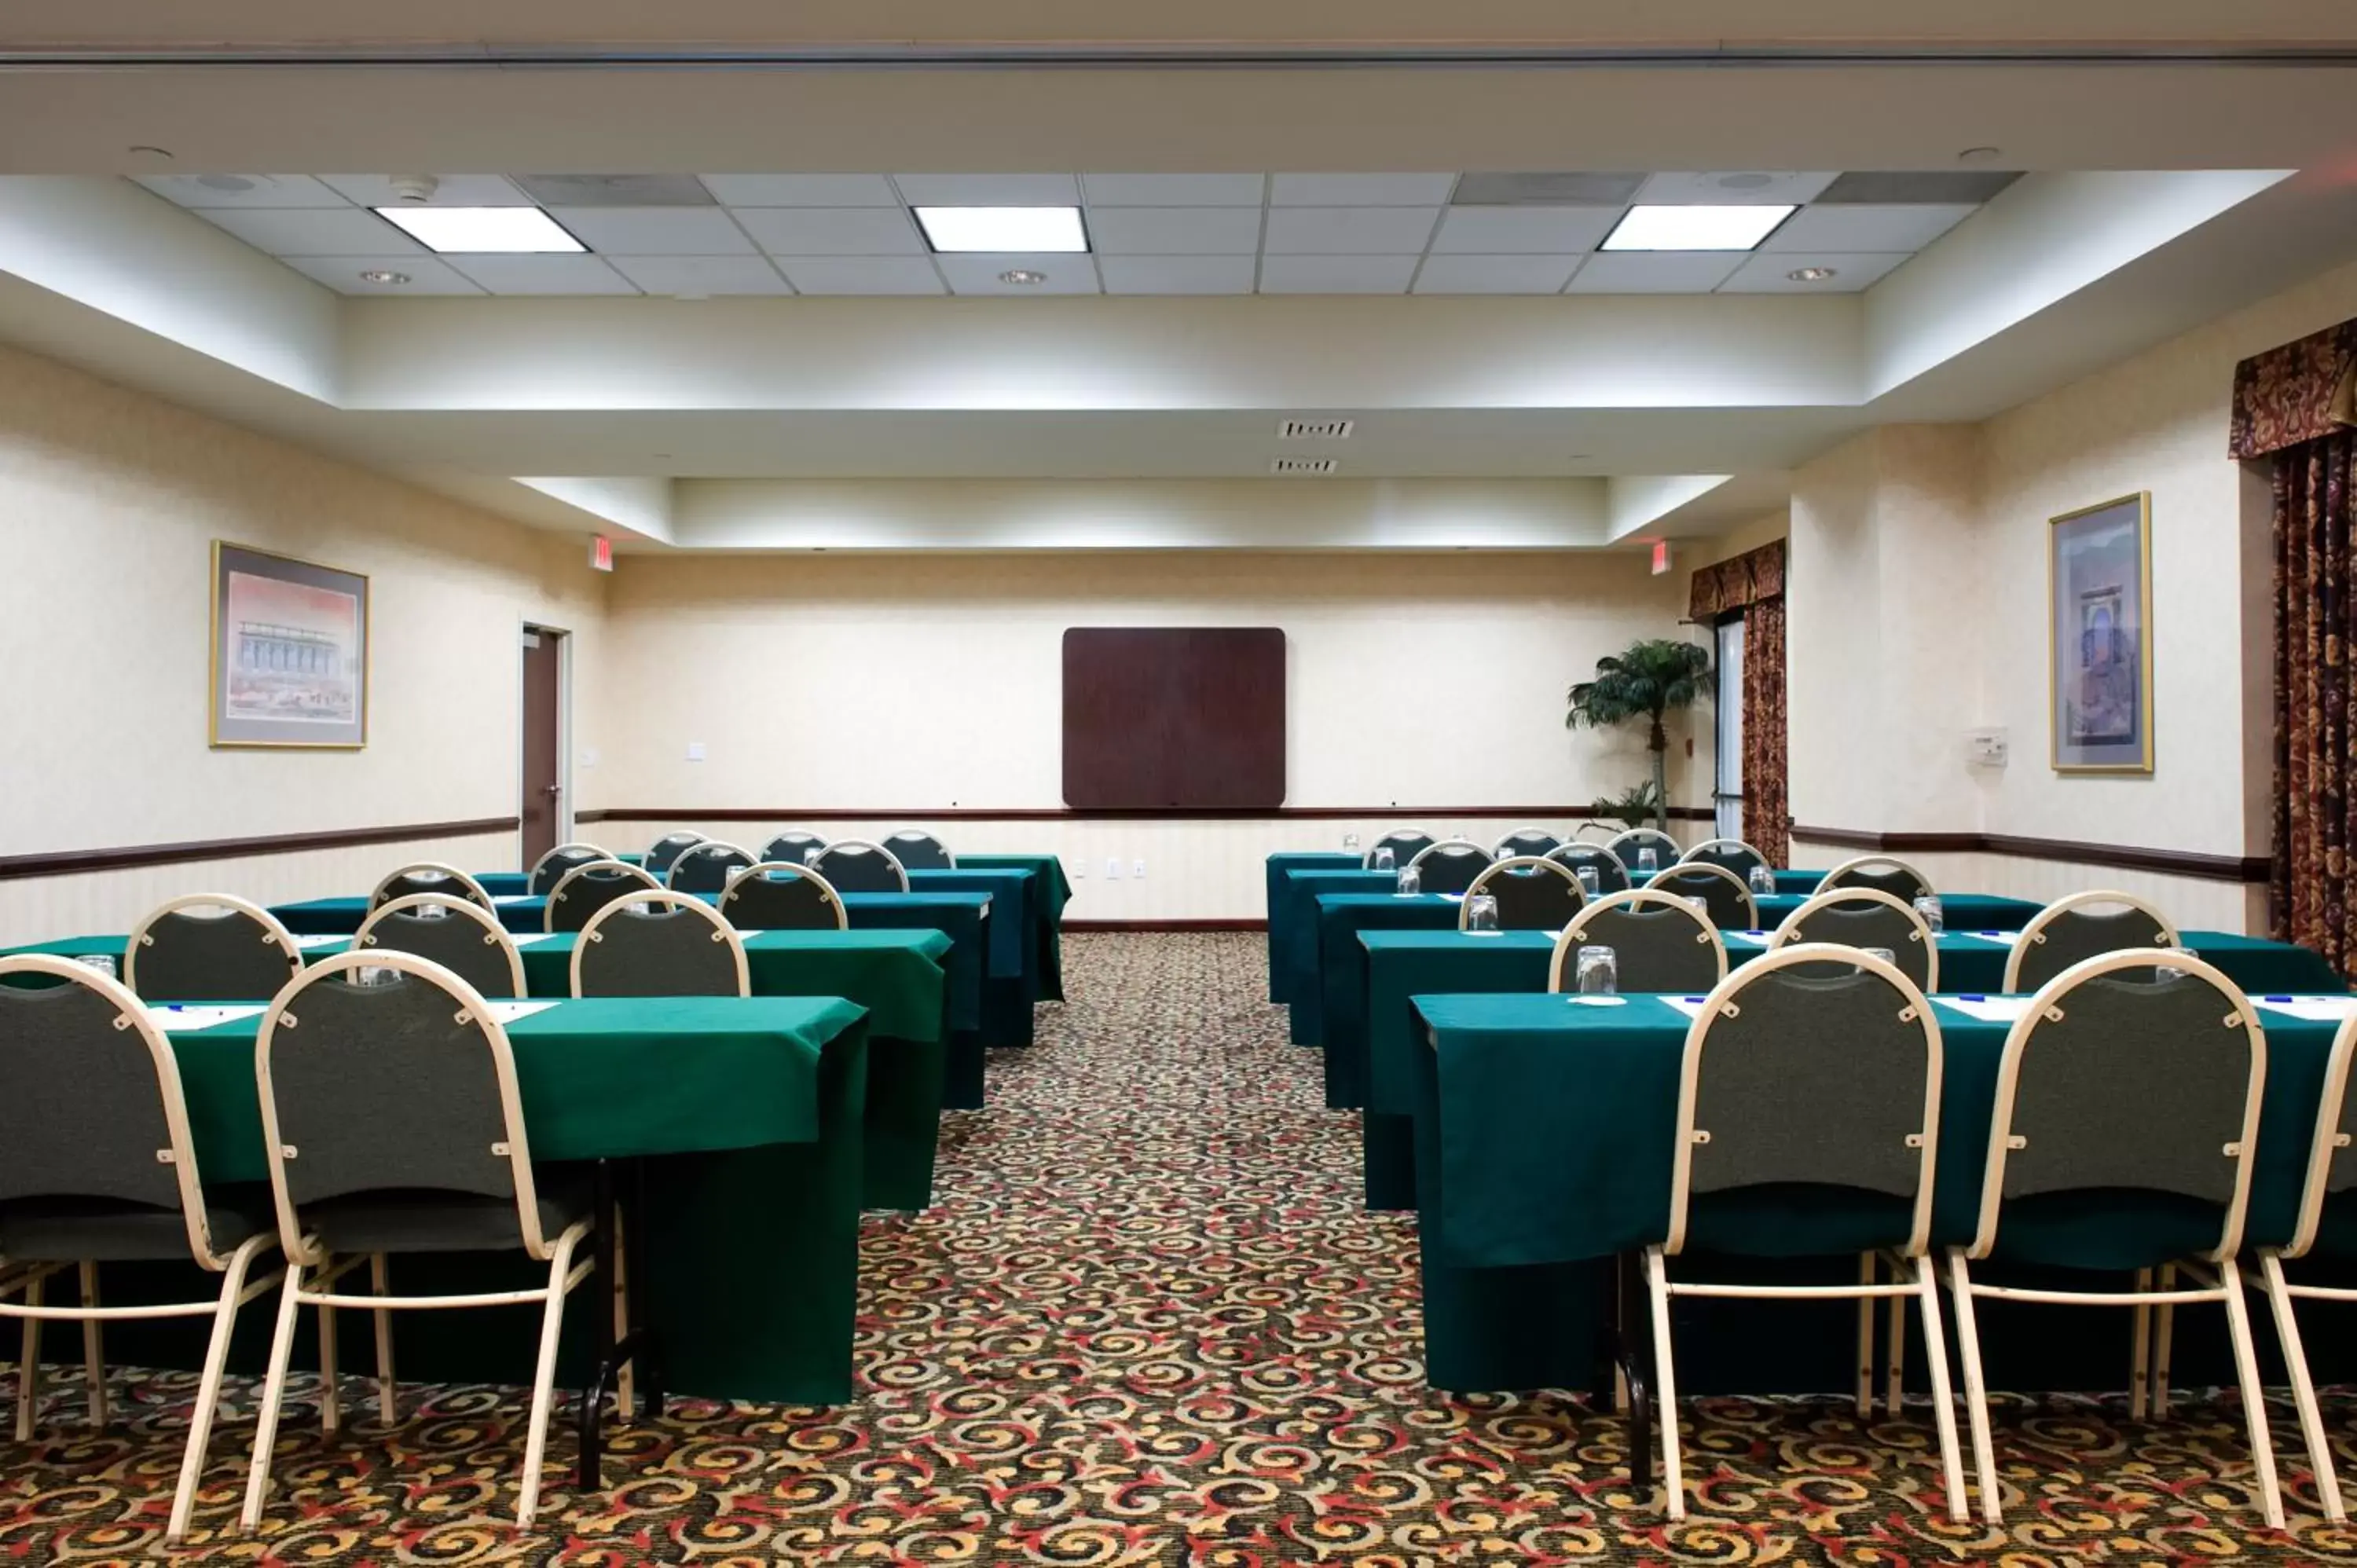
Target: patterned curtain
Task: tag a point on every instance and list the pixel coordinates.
(1767, 816)
(2316, 603)
(1752, 585)
(2302, 392)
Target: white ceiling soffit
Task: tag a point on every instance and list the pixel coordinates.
(1637, 501)
(640, 506)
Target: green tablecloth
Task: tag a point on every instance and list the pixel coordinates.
(1959, 911)
(749, 1113)
(1290, 919)
(1051, 891)
(1011, 974)
(894, 976)
(1373, 1041)
(1543, 1132)
(1304, 997)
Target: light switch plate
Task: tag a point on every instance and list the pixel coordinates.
(696, 751)
(1137, 868)
(1112, 871)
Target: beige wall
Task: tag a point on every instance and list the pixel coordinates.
(853, 682)
(109, 502)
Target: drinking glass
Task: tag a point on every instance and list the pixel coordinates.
(1411, 881)
(1762, 880)
(374, 974)
(1587, 884)
(1598, 970)
(2170, 971)
(641, 906)
(1350, 844)
(1700, 906)
(1384, 859)
(1934, 913)
(1482, 913)
(430, 911)
(1885, 954)
(102, 962)
(1648, 862)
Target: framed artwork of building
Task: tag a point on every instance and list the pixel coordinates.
(2099, 621)
(289, 665)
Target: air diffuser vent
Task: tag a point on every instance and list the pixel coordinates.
(1315, 429)
(1524, 190)
(1301, 465)
(615, 189)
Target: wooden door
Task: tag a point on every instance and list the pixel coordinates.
(543, 808)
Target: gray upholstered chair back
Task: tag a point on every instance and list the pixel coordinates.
(1733, 854)
(667, 849)
(2332, 1147)
(210, 947)
(1534, 893)
(1405, 844)
(680, 946)
(2081, 926)
(549, 868)
(777, 895)
(856, 865)
(1525, 841)
(791, 845)
(917, 851)
(2111, 1080)
(1450, 866)
(1629, 846)
(404, 1088)
(1612, 876)
(458, 935)
(1790, 1080)
(1721, 891)
(92, 1097)
(1865, 917)
(1658, 943)
(429, 876)
(706, 867)
(585, 890)
(1881, 872)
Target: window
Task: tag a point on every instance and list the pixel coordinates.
(1727, 790)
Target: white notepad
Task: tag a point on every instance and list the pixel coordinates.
(2316, 1009)
(506, 1013)
(2003, 939)
(173, 1017)
(514, 897)
(306, 944)
(529, 937)
(1749, 938)
(1690, 1005)
(1987, 1009)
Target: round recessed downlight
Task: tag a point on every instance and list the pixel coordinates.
(1022, 276)
(1812, 274)
(378, 274)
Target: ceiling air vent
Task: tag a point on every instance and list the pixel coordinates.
(1301, 465)
(1315, 429)
(615, 189)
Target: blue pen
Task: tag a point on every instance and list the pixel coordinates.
(1972, 997)
(2274, 998)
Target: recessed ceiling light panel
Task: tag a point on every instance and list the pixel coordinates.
(1696, 228)
(379, 275)
(1812, 274)
(1024, 276)
(1031, 230)
(482, 231)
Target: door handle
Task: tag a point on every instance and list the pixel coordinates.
(553, 789)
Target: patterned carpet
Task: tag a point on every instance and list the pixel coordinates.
(1150, 1323)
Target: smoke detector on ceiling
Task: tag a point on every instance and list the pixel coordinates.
(414, 189)
(1315, 429)
(1302, 465)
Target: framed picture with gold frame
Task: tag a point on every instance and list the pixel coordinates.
(2099, 636)
(289, 665)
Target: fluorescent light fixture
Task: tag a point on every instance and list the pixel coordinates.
(1696, 228)
(481, 231)
(1030, 230)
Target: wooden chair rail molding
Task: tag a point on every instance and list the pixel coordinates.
(1066, 814)
(73, 862)
(2119, 858)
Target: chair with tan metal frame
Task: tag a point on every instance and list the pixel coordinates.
(1609, 874)
(585, 890)
(1530, 842)
(858, 865)
(241, 952)
(2124, 1085)
(1405, 844)
(2331, 1172)
(393, 1124)
(461, 937)
(1734, 854)
(1883, 873)
(1828, 1088)
(667, 849)
(1534, 893)
(99, 1163)
(1630, 847)
(2071, 931)
(1450, 865)
(1659, 941)
(679, 947)
(919, 851)
(1722, 892)
(429, 876)
(706, 867)
(1865, 917)
(1604, 831)
(778, 896)
(549, 868)
(793, 847)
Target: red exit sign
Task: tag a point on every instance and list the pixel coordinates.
(1661, 556)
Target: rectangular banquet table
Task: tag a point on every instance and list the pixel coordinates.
(1289, 920)
(1372, 1036)
(747, 1112)
(1544, 1130)
(894, 976)
(962, 916)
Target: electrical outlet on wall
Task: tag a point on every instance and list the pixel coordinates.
(1113, 870)
(1137, 868)
(696, 751)
(1079, 872)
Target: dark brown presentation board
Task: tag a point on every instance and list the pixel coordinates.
(1164, 717)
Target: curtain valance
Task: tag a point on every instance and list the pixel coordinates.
(1735, 583)
(2301, 392)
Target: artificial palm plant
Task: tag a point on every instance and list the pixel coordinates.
(1647, 680)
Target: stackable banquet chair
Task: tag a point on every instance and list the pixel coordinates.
(706, 867)
(1534, 893)
(429, 876)
(2071, 931)
(1864, 918)
(549, 868)
(856, 865)
(585, 890)
(1732, 854)
(1883, 873)
(1723, 892)
(210, 947)
(776, 896)
(1450, 865)
(667, 849)
(792, 846)
(460, 937)
(1525, 841)
(679, 946)
(917, 851)
(1405, 844)
(1659, 941)
(1612, 876)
